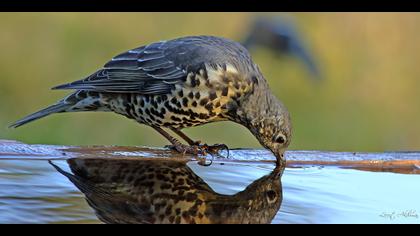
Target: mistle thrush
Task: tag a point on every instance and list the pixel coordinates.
(159, 191)
(182, 83)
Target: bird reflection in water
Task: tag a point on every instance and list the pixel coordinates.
(161, 191)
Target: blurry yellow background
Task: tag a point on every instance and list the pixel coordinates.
(368, 101)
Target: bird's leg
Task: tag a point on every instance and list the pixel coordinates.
(178, 146)
(192, 149)
(185, 137)
(212, 149)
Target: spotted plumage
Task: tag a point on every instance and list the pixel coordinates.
(182, 83)
(158, 191)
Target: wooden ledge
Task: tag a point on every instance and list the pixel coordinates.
(399, 162)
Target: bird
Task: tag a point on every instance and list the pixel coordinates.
(281, 36)
(138, 191)
(180, 83)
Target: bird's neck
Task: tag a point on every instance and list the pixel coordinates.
(259, 107)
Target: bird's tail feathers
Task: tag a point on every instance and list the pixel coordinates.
(61, 106)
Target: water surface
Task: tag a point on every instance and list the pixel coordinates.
(33, 191)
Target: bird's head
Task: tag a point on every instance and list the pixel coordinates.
(275, 134)
(272, 127)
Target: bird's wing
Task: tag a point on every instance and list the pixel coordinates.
(146, 70)
(155, 68)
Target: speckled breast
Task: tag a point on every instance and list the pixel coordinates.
(203, 97)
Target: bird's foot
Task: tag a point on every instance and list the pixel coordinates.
(187, 149)
(201, 150)
(216, 149)
(213, 150)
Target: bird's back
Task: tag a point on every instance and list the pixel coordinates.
(193, 51)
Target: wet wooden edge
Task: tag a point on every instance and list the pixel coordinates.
(398, 162)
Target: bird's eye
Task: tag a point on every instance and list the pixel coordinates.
(280, 139)
(271, 195)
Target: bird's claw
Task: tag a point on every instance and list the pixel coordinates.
(212, 150)
(185, 149)
(201, 149)
(216, 148)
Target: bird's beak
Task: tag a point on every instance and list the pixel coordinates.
(281, 160)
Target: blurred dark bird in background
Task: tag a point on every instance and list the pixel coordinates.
(280, 35)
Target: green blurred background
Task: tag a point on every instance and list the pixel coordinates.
(368, 100)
